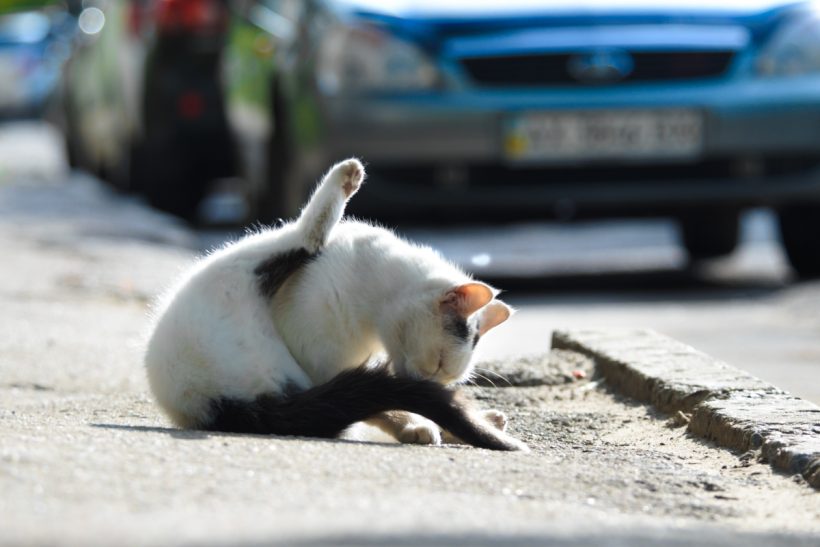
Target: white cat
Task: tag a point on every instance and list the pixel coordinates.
(280, 332)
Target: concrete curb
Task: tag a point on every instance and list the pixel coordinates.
(726, 404)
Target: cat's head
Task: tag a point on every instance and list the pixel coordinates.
(438, 331)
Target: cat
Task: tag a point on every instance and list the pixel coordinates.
(282, 331)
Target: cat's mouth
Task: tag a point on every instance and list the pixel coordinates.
(440, 374)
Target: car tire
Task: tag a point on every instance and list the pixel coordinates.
(71, 142)
(123, 175)
(72, 153)
(710, 233)
(800, 233)
(136, 168)
(170, 184)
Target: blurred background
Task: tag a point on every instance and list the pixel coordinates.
(635, 163)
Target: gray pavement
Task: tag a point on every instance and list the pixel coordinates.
(715, 400)
(86, 458)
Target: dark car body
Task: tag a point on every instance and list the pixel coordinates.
(524, 109)
(142, 99)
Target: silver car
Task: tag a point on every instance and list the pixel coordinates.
(523, 109)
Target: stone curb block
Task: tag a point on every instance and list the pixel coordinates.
(727, 405)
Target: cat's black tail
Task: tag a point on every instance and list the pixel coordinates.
(353, 396)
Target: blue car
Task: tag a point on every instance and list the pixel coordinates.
(34, 45)
(526, 110)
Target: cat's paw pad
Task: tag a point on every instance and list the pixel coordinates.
(497, 418)
(420, 434)
(350, 174)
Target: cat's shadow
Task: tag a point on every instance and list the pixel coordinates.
(185, 434)
(197, 435)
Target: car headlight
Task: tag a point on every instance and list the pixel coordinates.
(365, 58)
(794, 50)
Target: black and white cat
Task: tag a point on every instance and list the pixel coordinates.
(279, 332)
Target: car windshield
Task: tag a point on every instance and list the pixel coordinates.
(23, 28)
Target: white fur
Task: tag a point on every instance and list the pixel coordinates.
(368, 292)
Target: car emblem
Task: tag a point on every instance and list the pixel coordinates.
(601, 66)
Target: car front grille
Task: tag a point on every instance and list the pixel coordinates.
(553, 69)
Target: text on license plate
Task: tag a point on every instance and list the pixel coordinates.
(590, 135)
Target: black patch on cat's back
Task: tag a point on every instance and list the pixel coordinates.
(274, 271)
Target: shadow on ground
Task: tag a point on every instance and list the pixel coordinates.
(648, 285)
(707, 537)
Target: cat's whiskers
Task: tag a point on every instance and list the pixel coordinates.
(497, 375)
(474, 373)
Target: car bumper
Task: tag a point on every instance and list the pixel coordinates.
(764, 135)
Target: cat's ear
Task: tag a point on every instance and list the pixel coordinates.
(495, 313)
(467, 299)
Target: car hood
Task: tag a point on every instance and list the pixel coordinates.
(431, 23)
(468, 9)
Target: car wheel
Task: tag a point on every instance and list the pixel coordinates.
(71, 153)
(136, 168)
(799, 230)
(710, 233)
(70, 140)
(123, 174)
(170, 184)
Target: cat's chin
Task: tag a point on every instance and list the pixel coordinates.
(452, 379)
(438, 376)
(443, 377)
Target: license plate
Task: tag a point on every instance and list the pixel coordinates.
(552, 137)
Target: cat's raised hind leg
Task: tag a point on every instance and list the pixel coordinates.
(322, 212)
(327, 204)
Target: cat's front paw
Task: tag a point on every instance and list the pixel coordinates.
(420, 434)
(349, 174)
(496, 417)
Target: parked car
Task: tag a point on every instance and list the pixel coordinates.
(142, 100)
(515, 109)
(35, 40)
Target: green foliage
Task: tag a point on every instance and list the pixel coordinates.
(9, 6)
